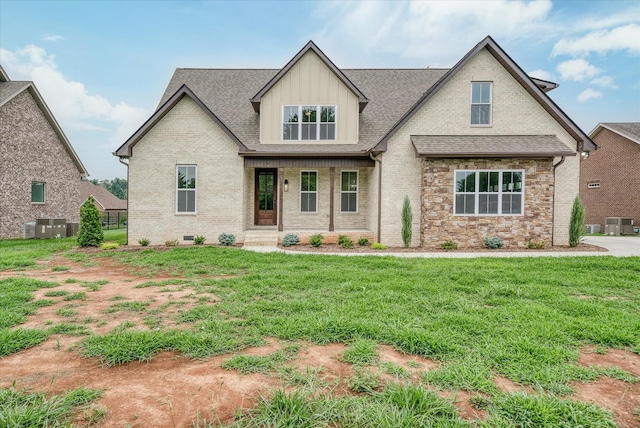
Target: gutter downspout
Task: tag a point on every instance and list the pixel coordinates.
(553, 213)
(379, 162)
(121, 160)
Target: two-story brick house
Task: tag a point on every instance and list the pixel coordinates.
(479, 149)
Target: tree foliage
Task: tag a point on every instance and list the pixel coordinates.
(407, 220)
(90, 233)
(117, 186)
(576, 224)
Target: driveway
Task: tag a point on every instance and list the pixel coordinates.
(619, 246)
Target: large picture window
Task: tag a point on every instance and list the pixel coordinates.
(481, 103)
(308, 191)
(37, 192)
(308, 123)
(186, 189)
(489, 192)
(349, 192)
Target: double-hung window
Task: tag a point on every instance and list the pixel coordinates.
(308, 123)
(349, 192)
(308, 191)
(489, 192)
(186, 188)
(481, 103)
(37, 192)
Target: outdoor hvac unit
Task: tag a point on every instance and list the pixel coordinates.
(29, 230)
(618, 226)
(592, 228)
(51, 228)
(72, 229)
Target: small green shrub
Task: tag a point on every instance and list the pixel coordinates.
(109, 245)
(576, 223)
(378, 246)
(172, 243)
(493, 243)
(199, 240)
(363, 241)
(536, 245)
(144, 242)
(290, 239)
(90, 233)
(345, 242)
(227, 239)
(316, 240)
(449, 245)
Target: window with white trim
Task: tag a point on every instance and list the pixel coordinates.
(489, 192)
(37, 192)
(481, 103)
(304, 123)
(308, 191)
(186, 188)
(349, 191)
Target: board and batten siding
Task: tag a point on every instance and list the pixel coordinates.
(309, 82)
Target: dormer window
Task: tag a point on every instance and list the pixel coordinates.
(304, 123)
(480, 103)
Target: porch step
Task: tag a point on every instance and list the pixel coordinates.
(260, 239)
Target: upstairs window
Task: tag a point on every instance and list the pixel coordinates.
(186, 189)
(489, 192)
(37, 192)
(308, 123)
(481, 103)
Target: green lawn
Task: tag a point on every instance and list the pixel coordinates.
(521, 318)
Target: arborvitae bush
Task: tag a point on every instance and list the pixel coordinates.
(407, 220)
(576, 223)
(90, 233)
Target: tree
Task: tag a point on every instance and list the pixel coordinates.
(90, 233)
(407, 220)
(576, 224)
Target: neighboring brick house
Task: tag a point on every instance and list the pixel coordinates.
(112, 209)
(41, 172)
(479, 149)
(610, 177)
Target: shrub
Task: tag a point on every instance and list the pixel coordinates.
(199, 240)
(345, 241)
(449, 245)
(407, 220)
(90, 233)
(109, 245)
(363, 241)
(316, 240)
(227, 239)
(144, 242)
(378, 246)
(576, 224)
(493, 243)
(290, 239)
(536, 245)
(172, 243)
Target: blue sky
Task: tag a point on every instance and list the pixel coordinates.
(102, 66)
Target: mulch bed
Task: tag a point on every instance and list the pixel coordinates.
(335, 248)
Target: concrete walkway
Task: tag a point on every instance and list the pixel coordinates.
(618, 246)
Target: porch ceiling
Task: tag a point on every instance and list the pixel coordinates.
(307, 162)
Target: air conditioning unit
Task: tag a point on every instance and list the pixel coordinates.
(592, 228)
(51, 228)
(617, 226)
(29, 230)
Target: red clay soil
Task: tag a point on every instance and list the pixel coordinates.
(172, 391)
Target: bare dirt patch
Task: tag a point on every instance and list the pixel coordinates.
(171, 390)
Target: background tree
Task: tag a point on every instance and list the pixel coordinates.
(407, 220)
(576, 224)
(90, 233)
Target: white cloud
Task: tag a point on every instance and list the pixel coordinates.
(426, 29)
(541, 74)
(70, 101)
(604, 81)
(577, 69)
(52, 37)
(626, 37)
(589, 94)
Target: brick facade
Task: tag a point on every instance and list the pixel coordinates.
(32, 151)
(439, 224)
(614, 166)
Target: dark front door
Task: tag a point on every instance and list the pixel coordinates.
(265, 203)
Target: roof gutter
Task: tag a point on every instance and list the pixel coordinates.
(121, 160)
(379, 162)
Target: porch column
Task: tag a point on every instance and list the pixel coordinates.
(280, 197)
(332, 174)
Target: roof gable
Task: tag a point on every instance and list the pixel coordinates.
(4, 77)
(529, 84)
(628, 130)
(309, 47)
(106, 199)
(126, 148)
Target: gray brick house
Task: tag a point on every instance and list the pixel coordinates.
(480, 150)
(40, 172)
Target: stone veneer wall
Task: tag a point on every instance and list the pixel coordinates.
(439, 224)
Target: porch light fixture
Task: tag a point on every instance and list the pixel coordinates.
(584, 155)
(286, 185)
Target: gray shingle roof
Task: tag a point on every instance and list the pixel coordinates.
(465, 146)
(630, 130)
(106, 199)
(9, 90)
